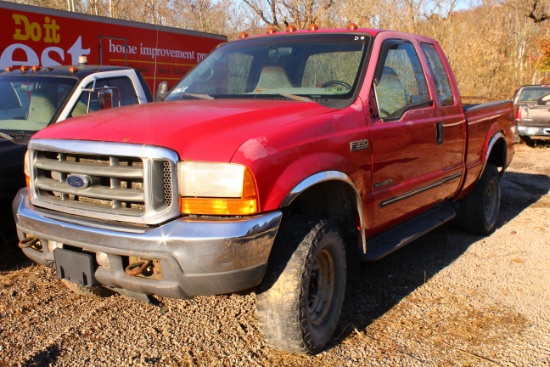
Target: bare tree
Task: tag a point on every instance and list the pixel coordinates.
(537, 10)
(493, 46)
(281, 13)
(203, 15)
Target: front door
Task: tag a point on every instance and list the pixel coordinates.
(406, 138)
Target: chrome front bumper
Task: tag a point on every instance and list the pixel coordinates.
(197, 256)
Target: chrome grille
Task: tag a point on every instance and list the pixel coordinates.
(114, 181)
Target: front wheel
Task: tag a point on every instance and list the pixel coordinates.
(479, 210)
(300, 309)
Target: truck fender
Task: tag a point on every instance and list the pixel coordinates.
(498, 137)
(326, 176)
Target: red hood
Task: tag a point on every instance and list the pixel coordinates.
(196, 129)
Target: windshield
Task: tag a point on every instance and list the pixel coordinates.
(532, 94)
(318, 67)
(29, 103)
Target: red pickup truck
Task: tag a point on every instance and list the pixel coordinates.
(277, 161)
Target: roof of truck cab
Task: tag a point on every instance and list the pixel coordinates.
(272, 32)
(73, 71)
(290, 31)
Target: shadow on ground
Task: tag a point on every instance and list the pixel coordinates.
(537, 143)
(377, 287)
(11, 256)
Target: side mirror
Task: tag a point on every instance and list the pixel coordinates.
(162, 91)
(544, 100)
(105, 99)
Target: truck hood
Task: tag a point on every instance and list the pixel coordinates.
(196, 129)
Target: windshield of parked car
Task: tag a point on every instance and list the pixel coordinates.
(30, 103)
(301, 67)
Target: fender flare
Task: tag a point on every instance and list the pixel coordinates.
(494, 139)
(326, 176)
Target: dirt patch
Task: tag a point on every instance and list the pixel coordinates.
(448, 299)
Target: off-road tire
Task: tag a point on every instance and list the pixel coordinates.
(479, 210)
(96, 290)
(300, 300)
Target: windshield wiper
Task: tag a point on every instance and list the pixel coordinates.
(195, 96)
(293, 97)
(6, 136)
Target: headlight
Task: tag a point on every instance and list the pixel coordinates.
(216, 189)
(27, 170)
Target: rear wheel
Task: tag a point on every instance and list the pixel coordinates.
(304, 289)
(479, 210)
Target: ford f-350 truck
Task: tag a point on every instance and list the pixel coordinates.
(275, 163)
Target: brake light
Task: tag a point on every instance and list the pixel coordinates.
(518, 114)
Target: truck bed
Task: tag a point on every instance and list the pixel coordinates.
(495, 117)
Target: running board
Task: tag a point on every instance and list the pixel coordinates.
(393, 239)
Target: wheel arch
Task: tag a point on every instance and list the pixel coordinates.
(333, 195)
(496, 153)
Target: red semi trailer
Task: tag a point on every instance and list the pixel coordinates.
(46, 37)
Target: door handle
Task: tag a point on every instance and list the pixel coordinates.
(439, 133)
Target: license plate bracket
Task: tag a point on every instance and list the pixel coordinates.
(76, 267)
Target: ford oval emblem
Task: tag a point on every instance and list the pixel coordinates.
(79, 181)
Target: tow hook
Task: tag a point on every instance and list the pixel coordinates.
(137, 267)
(28, 242)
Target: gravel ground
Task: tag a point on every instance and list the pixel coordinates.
(449, 299)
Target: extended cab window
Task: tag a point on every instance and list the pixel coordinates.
(400, 83)
(444, 92)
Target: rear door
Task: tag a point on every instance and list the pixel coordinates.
(451, 124)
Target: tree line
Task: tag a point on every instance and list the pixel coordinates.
(494, 46)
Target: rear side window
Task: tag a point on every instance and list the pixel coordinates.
(444, 92)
